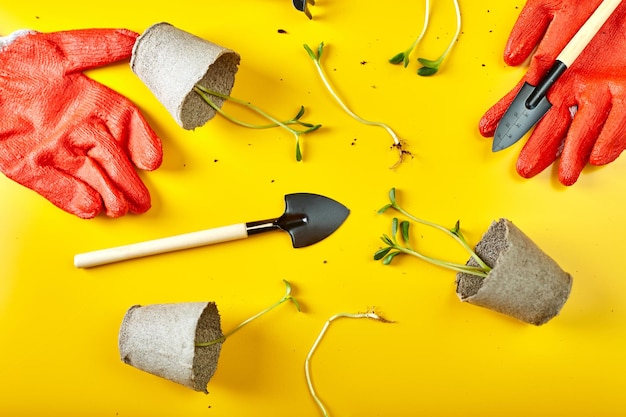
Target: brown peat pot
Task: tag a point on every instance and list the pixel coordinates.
(524, 283)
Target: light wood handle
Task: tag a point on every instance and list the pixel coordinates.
(167, 244)
(584, 35)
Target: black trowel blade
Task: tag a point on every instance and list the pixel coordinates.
(310, 218)
(518, 119)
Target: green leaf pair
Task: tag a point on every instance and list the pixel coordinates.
(429, 67)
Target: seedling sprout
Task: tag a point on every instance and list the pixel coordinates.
(316, 57)
(404, 57)
(399, 242)
(206, 94)
(429, 67)
(370, 314)
(285, 298)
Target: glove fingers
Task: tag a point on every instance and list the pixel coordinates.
(585, 128)
(133, 132)
(612, 139)
(547, 25)
(90, 48)
(109, 172)
(62, 190)
(489, 122)
(125, 123)
(114, 200)
(531, 25)
(544, 145)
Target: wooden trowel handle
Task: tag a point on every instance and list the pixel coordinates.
(584, 35)
(571, 51)
(167, 244)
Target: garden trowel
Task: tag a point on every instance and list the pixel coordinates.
(531, 102)
(308, 218)
(303, 6)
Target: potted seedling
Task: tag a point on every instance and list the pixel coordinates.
(180, 342)
(506, 272)
(193, 77)
(170, 62)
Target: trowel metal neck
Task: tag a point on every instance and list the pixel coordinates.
(285, 222)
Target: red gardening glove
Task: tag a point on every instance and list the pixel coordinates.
(65, 136)
(587, 121)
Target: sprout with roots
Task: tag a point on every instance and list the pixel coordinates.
(370, 314)
(397, 142)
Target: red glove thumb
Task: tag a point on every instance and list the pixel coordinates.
(85, 49)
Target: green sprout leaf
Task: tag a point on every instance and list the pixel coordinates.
(381, 253)
(384, 209)
(387, 240)
(457, 228)
(398, 58)
(389, 258)
(426, 71)
(429, 67)
(320, 48)
(392, 196)
(310, 52)
(404, 226)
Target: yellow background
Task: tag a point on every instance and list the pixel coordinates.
(59, 324)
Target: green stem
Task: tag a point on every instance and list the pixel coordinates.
(407, 53)
(425, 25)
(455, 236)
(205, 93)
(307, 366)
(468, 269)
(286, 297)
(433, 66)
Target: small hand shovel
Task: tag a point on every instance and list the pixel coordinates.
(303, 6)
(308, 218)
(531, 103)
